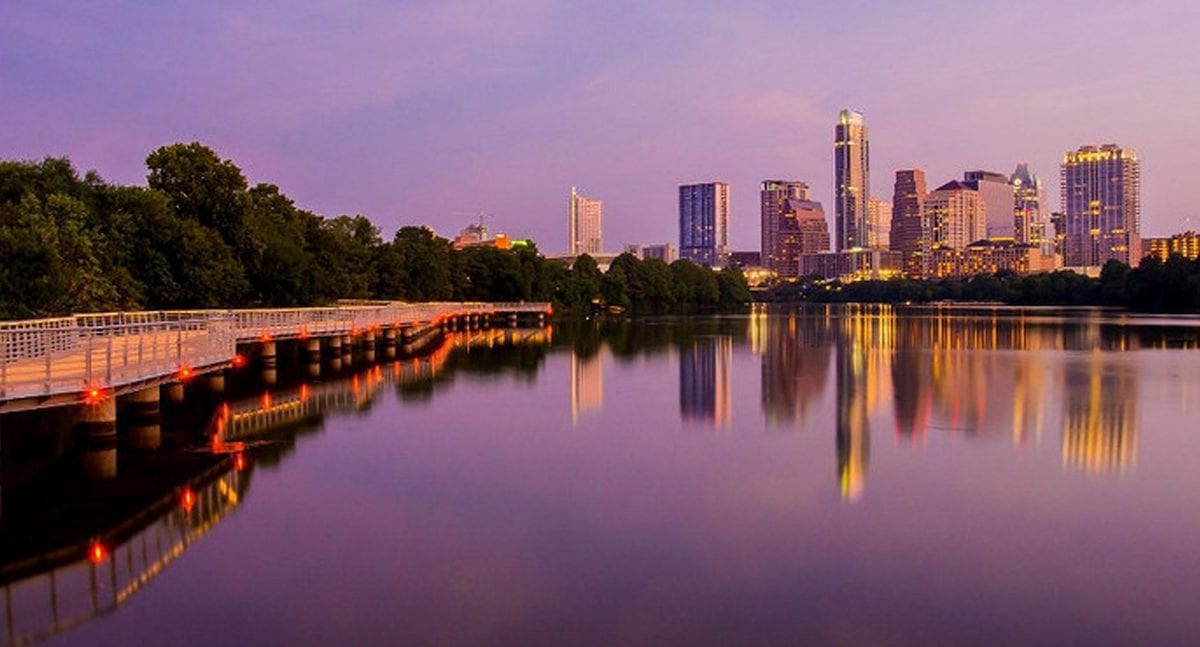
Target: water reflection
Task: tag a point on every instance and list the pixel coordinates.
(704, 381)
(1100, 420)
(587, 384)
(73, 549)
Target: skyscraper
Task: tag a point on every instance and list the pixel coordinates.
(1101, 201)
(852, 183)
(704, 222)
(586, 215)
(955, 216)
(792, 225)
(1029, 225)
(879, 223)
(998, 203)
(908, 199)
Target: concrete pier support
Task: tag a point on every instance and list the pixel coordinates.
(216, 382)
(173, 392)
(96, 434)
(389, 343)
(335, 352)
(145, 420)
(270, 363)
(312, 356)
(369, 345)
(347, 351)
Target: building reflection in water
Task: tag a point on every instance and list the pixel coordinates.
(69, 554)
(866, 343)
(587, 384)
(979, 372)
(795, 366)
(704, 388)
(1100, 415)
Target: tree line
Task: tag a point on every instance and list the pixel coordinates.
(198, 235)
(1171, 286)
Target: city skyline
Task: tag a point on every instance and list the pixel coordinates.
(333, 104)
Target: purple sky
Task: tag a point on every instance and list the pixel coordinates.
(409, 112)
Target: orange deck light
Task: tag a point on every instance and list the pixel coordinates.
(97, 552)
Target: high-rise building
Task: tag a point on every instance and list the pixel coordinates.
(879, 223)
(704, 222)
(792, 224)
(586, 217)
(852, 181)
(1101, 201)
(908, 199)
(1029, 223)
(998, 203)
(955, 216)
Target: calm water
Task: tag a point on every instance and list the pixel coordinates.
(848, 476)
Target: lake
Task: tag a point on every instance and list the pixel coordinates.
(807, 475)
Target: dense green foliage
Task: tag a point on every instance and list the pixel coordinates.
(1153, 286)
(199, 236)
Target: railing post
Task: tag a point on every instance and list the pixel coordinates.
(179, 346)
(49, 351)
(3, 364)
(87, 362)
(108, 362)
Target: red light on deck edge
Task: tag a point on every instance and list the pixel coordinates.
(238, 361)
(188, 499)
(239, 462)
(97, 552)
(185, 373)
(266, 337)
(93, 394)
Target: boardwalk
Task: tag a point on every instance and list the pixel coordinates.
(51, 362)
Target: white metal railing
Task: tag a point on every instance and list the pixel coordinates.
(66, 355)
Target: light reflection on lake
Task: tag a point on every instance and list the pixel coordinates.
(854, 475)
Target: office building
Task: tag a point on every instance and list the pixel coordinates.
(586, 217)
(852, 183)
(852, 265)
(879, 223)
(704, 222)
(1101, 201)
(955, 217)
(1029, 224)
(999, 204)
(792, 225)
(908, 200)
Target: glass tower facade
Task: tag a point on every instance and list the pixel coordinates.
(704, 223)
(852, 184)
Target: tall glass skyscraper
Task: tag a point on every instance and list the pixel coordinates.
(1101, 201)
(704, 222)
(852, 181)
